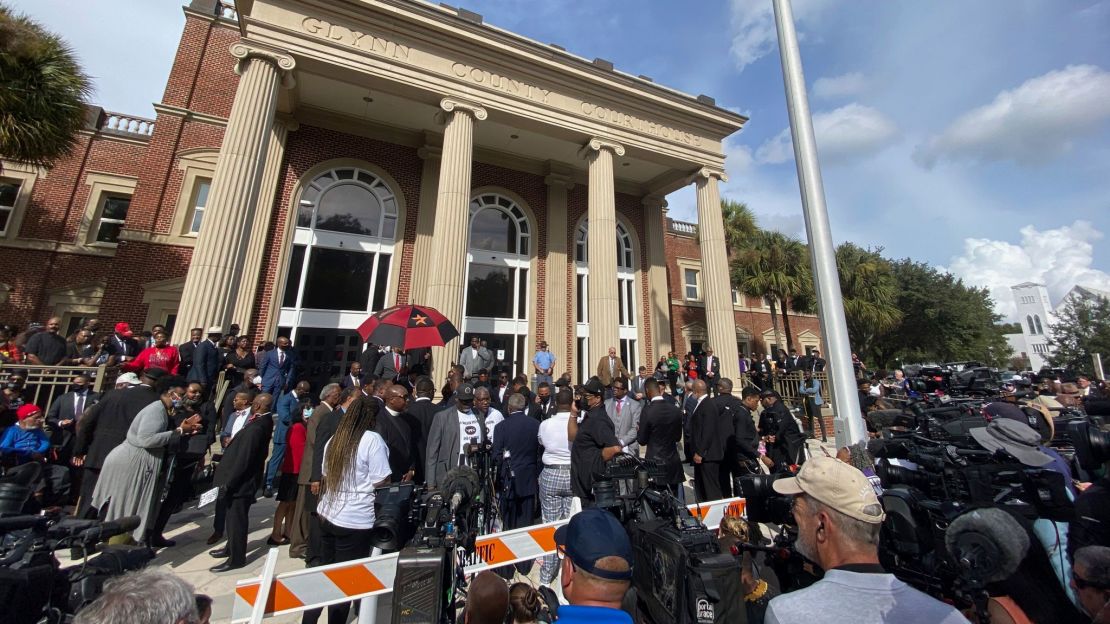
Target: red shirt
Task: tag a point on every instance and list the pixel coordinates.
(165, 358)
(294, 448)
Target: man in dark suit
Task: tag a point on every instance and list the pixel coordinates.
(543, 404)
(369, 357)
(121, 346)
(423, 411)
(105, 426)
(278, 368)
(395, 426)
(709, 368)
(354, 377)
(391, 365)
(207, 361)
(742, 449)
(518, 435)
(238, 476)
(660, 431)
(709, 438)
(812, 362)
(420, 361)
(793, 362)
(65, 415)
(185, 351)
(773, 411)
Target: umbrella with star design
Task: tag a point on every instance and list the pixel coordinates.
(408, 327)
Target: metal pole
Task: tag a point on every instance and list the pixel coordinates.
(1096, 361)
(368, 607)
(830, 306)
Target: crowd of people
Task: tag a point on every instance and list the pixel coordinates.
(145, 448)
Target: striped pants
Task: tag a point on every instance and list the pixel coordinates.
(555, 499)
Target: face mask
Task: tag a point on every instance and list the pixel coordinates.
(176, 403)
(14, 386)
(192, 402)
(307, 413)
(76, 388)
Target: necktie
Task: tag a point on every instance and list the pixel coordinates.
(612, 367)
(619, 404)
(396, 362)
(281, 357)
(79, 405)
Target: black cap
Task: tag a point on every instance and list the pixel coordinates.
(154, 374)
(592, 386)
(465, 392)
(768, 393)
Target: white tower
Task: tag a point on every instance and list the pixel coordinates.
(1034, 315)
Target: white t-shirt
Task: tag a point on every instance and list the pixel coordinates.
(469, 433)
(553, 438)
(351, 504)
(493, 416)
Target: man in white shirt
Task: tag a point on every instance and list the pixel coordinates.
(555, 493)
(490, 415)
(236, 419)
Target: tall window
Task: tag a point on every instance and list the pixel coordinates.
(497, 281)
(627, 301)
(1032, 327)
(1037, 321)
(200, 201)
(113, 213)
(691, 284)
(9, 193)
(342, 251)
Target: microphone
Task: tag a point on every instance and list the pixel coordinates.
(461, 486)
(989, 544)
(111, 528)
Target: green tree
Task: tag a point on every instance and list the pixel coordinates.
(943, 320)
(739, 222)
(869, 289)
(775, 266)
(42, 92)
(1083, 329)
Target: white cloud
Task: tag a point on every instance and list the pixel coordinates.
(1031, 124)
(1058, 258)
(753, 27)
(842, 86)
(849, 132)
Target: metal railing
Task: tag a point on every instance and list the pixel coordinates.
(43, 384)
(788, 385)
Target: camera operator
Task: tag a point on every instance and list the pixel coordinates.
(839, 518)
(773, 411)
(1092, 515)
(596, 570)
(593, 442)
(785, 441)
(1090, 578)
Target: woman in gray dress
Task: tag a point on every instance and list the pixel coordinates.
(130, 478)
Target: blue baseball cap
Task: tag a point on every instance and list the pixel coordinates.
(592, 535)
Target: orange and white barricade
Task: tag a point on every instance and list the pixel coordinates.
(353, 580)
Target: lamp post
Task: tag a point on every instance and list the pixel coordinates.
(830, 305)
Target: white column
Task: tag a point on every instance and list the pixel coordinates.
(719, 318)
(658, 293)
(425, 224)
(602, 249)
(559, 329)
(446, 273)
(214, 277)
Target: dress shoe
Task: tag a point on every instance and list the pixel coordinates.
(272, 542)
(215, 537)
(219, 553)
(226, 566)
(161, 542)
(268, 493)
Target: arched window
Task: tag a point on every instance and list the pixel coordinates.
(497, 282)
(1032, 328)
(1037, 320)
(627, 301)
(342, 249)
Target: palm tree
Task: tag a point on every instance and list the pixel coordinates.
(773, 266)
(739, 222)
(869, 289)
(42, 92)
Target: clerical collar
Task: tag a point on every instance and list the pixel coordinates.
(658, 398)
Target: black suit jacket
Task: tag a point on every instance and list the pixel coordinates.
(770, 417)
(347, 382)
(660, 430)
(709, 432)
(64, 408)
(105, 426)
(397, 433)
(369, 360)
(743, 439)
(704, 367)
(206, 364)
(240, 469)
(422, 414)
(519, 434)
(185, 355)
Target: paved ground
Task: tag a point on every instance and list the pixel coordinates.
(189, 558)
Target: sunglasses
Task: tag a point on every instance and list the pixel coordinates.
(1082, 583)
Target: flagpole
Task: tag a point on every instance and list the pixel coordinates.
(830, 305)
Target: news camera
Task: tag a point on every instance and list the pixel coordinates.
(679, 573)
(954, 379)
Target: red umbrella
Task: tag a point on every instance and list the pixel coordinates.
(408, 327)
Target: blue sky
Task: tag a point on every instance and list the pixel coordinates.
(971, 135)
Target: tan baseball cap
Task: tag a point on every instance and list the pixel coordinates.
(839, 485)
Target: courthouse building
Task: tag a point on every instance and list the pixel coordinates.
(312, 162)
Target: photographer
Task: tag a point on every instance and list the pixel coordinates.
(593, 442)
(596, 570)
(839, 518)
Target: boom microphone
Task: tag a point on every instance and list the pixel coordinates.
(460, 485)
(988, 543)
